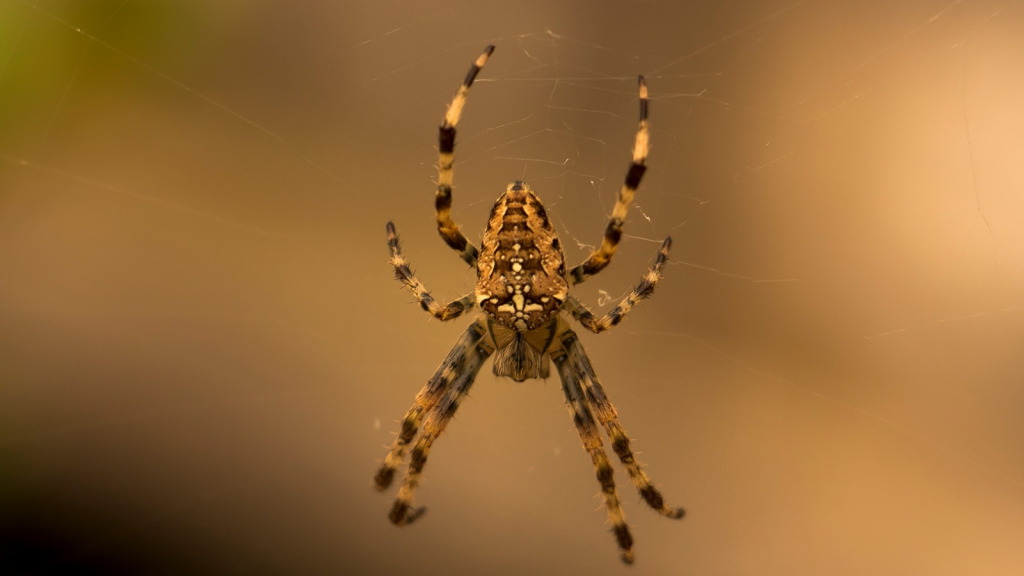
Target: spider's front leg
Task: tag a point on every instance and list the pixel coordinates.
(643, 290)
(609, 418)
(613, 233)
(591, 437)
(446, 312)
(458, 361)
(441, 413)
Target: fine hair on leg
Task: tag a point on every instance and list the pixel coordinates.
(608, 417)
(440, 415)
(591, 437)
(446, 227)
(404, 274)
(641, 291)
(600, 258)
(459, 360)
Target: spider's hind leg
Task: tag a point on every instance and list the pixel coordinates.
(600, 258)
(446, 227)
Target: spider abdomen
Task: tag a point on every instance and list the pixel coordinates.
(521, 271)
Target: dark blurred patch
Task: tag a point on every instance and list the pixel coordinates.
(42, 532)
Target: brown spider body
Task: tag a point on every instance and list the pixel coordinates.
(521, 270)
(520, 282)
(522, 289)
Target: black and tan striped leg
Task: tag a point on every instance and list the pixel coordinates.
(442, 413)
(613, 233)
(643, 290)
(448, 229)
(609, 418)
(442, 312)
(453, 366)
(585, 425)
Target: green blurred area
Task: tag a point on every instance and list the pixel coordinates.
(54, 53)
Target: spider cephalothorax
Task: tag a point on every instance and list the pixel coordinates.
(522, 288)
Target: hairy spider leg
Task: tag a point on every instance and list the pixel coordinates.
(600, 258)
(442, 413)
(608, 417)
(459, 360)
(591, 437)
(641, 291)
(446, 312)
(447, 228)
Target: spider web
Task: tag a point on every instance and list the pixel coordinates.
(204, 350)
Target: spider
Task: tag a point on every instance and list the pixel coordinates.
(522, 289)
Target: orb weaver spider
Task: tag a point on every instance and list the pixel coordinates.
(522, 289)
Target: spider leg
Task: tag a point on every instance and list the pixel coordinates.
(613, 233)
(608, 416)
(584, 421)
(643, 290)
(454, 365)
(446, 312)
(448, 229)
(441, 413)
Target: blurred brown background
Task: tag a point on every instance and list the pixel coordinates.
(203, 352)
